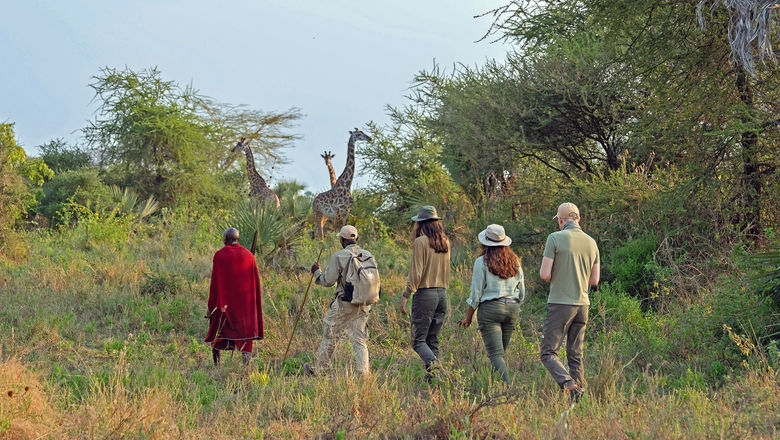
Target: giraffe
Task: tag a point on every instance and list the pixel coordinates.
(336, 202)
(327, 155)
(257, 186)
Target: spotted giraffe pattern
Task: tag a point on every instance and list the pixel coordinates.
(327, 155)
(336, 203)
(257, 186)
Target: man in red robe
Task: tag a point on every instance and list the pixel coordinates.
(235, 310)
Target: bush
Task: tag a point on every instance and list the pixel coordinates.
(82, 186)
(60, 157)
(158, 284)
(632, 265)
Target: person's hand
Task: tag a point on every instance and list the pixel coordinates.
(465, 323)
(403, 305)
(315, 267)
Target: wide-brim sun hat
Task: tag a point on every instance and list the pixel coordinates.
(494, 235)
(426, 213)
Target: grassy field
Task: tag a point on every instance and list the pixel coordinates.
(102, 328)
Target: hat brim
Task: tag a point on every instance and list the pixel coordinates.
(482, 237)
(421, 219)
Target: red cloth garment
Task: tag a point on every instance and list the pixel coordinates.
(235, 309)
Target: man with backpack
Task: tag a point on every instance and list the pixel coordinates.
(355, 274)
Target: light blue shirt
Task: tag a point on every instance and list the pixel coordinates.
(486, 286)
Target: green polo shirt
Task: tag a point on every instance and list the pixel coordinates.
(574, 253)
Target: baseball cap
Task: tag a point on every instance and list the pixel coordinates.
(568, 210)
(349, 232)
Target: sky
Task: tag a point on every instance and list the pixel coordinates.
(340, 62)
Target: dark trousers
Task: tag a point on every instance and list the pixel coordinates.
(429, 306)
(496, 324)
(567, 321)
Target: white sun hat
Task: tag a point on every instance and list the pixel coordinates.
(494, 235)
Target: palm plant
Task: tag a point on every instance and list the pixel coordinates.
(277, 233)
(126, 202)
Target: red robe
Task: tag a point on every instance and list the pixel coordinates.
(234, 300)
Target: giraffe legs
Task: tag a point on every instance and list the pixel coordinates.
(319, 222)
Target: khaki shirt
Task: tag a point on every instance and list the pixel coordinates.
(574, 253)
(336, 269)
(428, 268)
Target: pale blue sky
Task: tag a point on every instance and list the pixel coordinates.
(339, 61)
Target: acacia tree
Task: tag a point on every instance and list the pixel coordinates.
(750, 33)
(696, 107)
(566, 107)
(404, 164)
(171, 142)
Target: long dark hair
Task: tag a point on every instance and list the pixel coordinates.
(432, 229)
(501, 261)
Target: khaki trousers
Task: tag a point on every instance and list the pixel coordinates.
(344, 317)
(564, 321)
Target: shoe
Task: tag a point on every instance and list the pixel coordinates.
(574, 390)
(308, 370)
(431, 371)
(215, 355)
(245, 357)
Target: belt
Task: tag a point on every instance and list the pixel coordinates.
(507, 300)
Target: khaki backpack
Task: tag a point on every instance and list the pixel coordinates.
(361, 283)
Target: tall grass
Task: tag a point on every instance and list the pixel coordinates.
(104, 327)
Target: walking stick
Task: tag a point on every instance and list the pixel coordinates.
(305, 296)
(254, 243)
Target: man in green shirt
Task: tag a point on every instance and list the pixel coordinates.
(570, 264)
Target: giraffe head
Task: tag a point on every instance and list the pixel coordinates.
(327, 155)
(241, 145)
(358, 135)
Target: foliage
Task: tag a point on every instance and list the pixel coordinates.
(278, 234)
(61, 157)
(12, 189)
(751, 23)
(168, 141)
(632, 265)
(767, 278)
(126, 202)
(157, 284)
(82, 186)
(293, 201)
(33, 172)
(403, 162)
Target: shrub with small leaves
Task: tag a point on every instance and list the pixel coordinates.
(158, 284)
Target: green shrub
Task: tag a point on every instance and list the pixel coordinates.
(157, 284)
(631, 264)
(82, 186)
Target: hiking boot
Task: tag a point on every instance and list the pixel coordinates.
(431, 371)
(308, 370)
(575, 395)
(574, 391)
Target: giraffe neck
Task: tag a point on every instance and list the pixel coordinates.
(345, 179)
(332, 173)
(255, 179)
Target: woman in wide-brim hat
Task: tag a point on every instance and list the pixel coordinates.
(497, 288)
(429, 276)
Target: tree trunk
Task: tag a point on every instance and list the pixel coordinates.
(750, 161)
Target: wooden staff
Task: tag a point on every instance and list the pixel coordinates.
(254, 243)
(297, 318)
